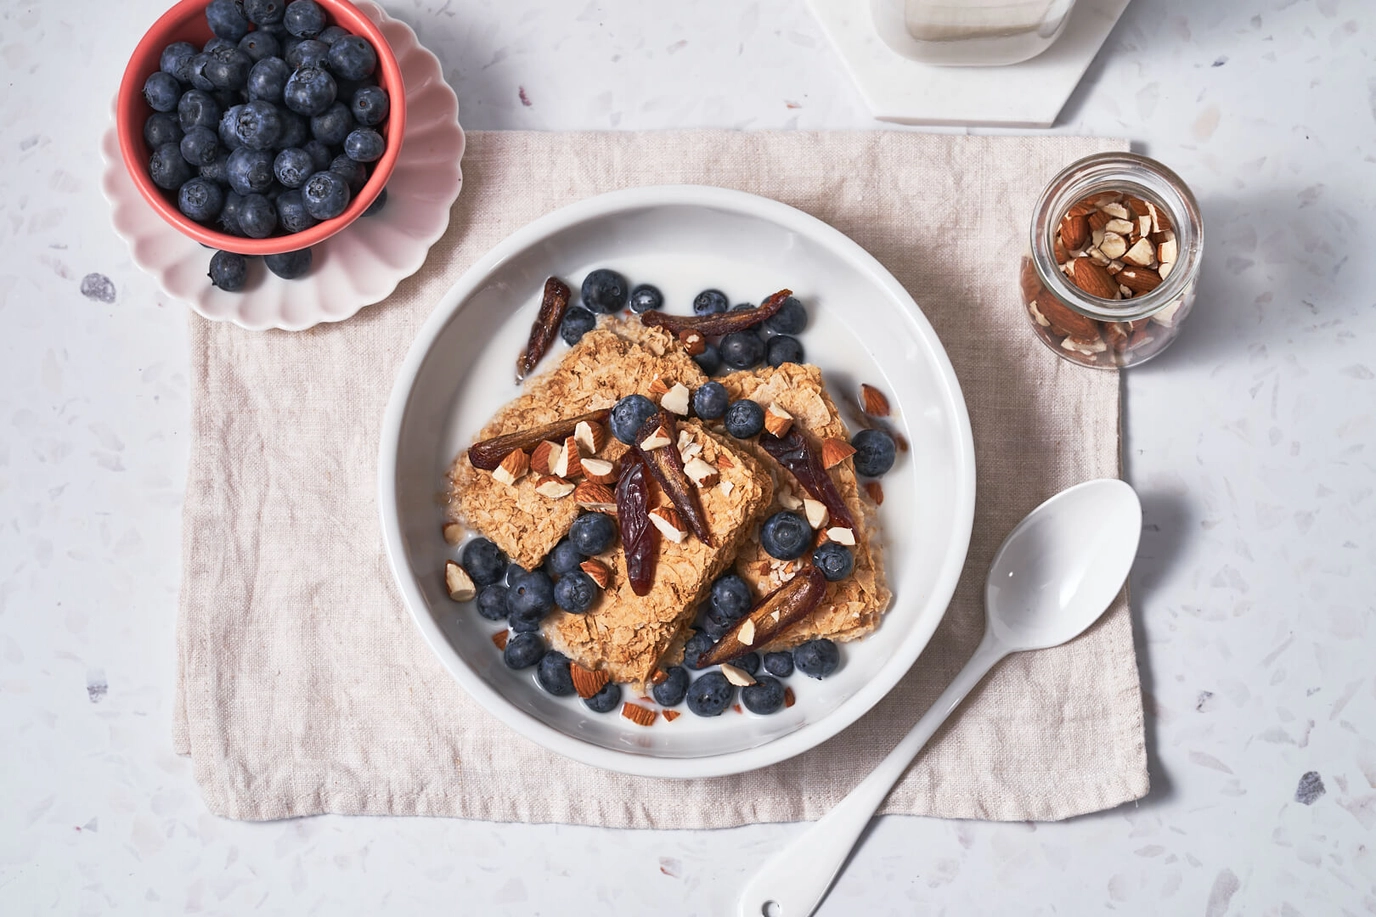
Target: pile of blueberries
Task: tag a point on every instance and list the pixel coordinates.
(267, 129)
(523, 598)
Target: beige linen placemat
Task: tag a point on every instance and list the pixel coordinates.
(304, 688)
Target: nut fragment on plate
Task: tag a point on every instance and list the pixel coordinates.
(512, 468)
(600, 471)
(875, 402)
(587, 682)
(553, 487)
(676, 399)
(595, 496)
(459, 583)
(600, 573)
(641, 716)
(542, 457)
(702, 473)
(737, 676)
(835, 451)
(670, 525)
(656, 440)
(777, 420)
(566, 463)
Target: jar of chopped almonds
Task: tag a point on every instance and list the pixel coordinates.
(1114, 260)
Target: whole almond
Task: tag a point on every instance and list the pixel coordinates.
(594, 496)
(541, 457)
(1074, 232)
(1064, 319)
(1139, 279)
(1094, 279)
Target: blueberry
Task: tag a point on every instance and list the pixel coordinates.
(606, 700)
(228, 68)
(553, 673)
(355, 173)
(332, 125)
(779, 664)
(710, 302)
(161, 127)
(710, 400)
(834, 560)
(250, 171)
(605, 291)
(747, 662)
(874, 452)
(229, 214)
(817, 658)
(744, 419)
(304, 18)
(646, 297)
(765, 696)
(308, 53)
(228, 271)
(293, 167)
(783, 348)
(514, 571)
(715, 626)
(532, 595)
(176, 59)
(731, 597)
(790, 319)
(710, 694)
(216, 44)
(670, 692)
(258, 125)
(709, 361)
(229, 137)
(523, 650)
(575, 592)
(370, 106)
(565, 557)
(593, 533)
(226, 98)
(378, 203)
(699, 643)
(785, 535)
(264, 12)
(199, 146)
(161, 91)
(352, 58)
(483, 561)
(226, 20)
(309, 91)
(295, 131)
(197, 109)
(290, 265)
(200, 199)
(257, 216)
(326, 195)
(267, 79)
(289, 43)
(364, 145)
(577, 322)
(332, 34)
(195, 72)
(217, 170)
(742, 349)
(632, 411)
(492, 602)
(320, 154)
(259, 46)
(168, 169)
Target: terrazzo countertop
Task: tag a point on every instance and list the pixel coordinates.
(1247, 441)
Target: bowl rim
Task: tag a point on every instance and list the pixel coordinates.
(131, 142)
(811, 734)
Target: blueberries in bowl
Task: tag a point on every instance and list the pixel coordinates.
(710, 694)
(593, 533)
(790, 319)
(742, 349)
(632, 411)
(785, 535)
(710, 302)
(326, 195)
(352, 58)
(483, 561)
(744, 419)
(779, 665)
(730, 597)
(671, 691)
(765, 696)
(162, 91)
(200, 198)
(606, 700)
(577, 322)
(710, 400)
(874, 452)
(575, 592)
(605, 291)
(643, 298)
(523, 650)
(553, 673)
(701, 642)
(817, 658)
(834, 560)
(783, 348)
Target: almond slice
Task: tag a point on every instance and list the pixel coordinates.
(641, 716)
(777, 421)
(675, 400)
(499, 639)
(591, 437)
(789, 698)
(670, 715)
(552, 487)
(656, 440)
(701, 473)
(737, 676)
(595, 496)
(816, 512)
(600, 471)
(666, 519)
(601, 574)
(459, 583)
(835, 451)
(587, 682)
(876, 492)
(841, 535)
(513, 467)
(874, 401)
(746, 635)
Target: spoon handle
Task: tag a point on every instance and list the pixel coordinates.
(794, 882)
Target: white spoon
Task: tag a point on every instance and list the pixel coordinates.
(1052, 577)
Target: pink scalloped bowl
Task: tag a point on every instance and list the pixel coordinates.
(186, 22)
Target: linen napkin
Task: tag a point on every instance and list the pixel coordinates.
(303, 686)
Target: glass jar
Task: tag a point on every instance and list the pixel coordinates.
(1138, 226)
(978, 33)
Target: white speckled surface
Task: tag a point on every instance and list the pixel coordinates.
(1248, 441)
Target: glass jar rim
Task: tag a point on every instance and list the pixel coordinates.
(1119, 171)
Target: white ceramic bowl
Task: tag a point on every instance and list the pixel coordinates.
(863, 327)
